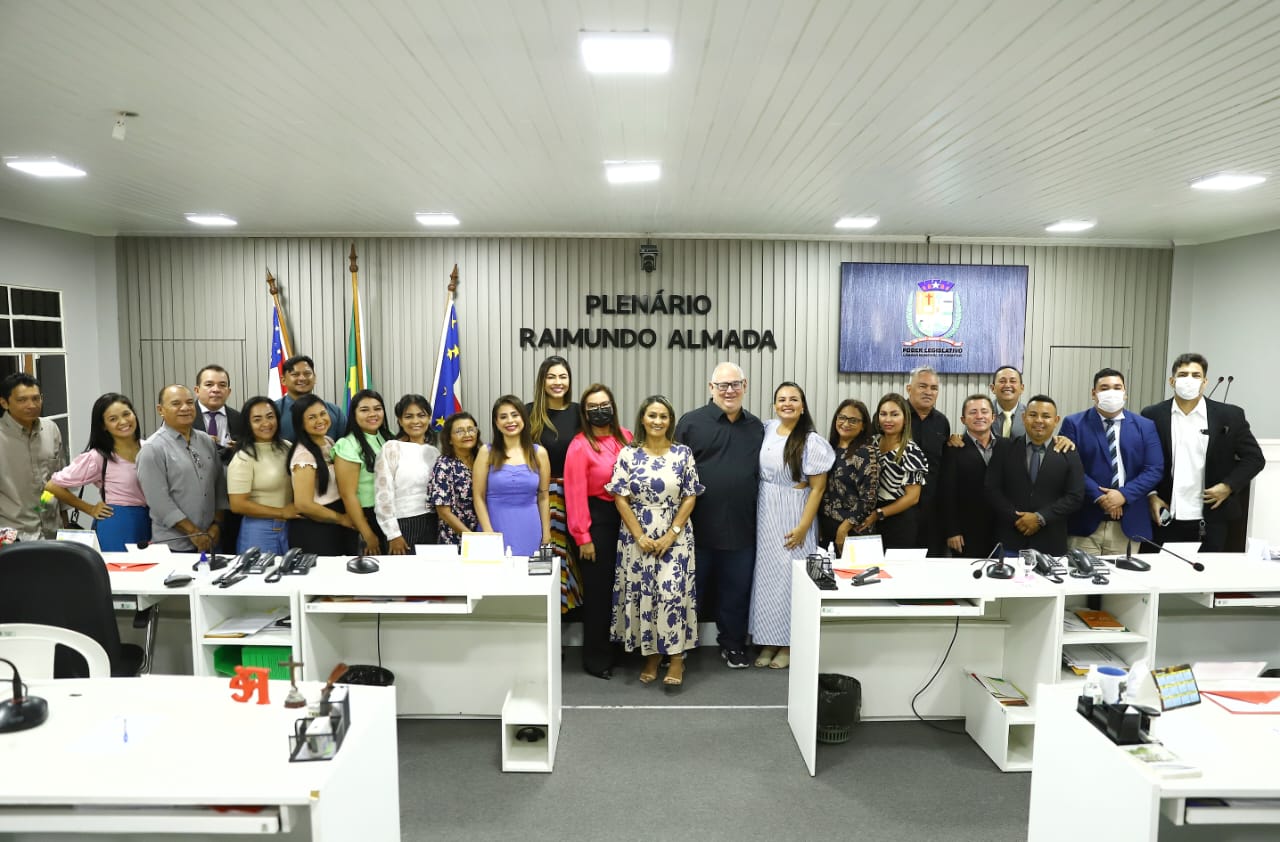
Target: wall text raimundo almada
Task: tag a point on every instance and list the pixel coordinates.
(659, 304)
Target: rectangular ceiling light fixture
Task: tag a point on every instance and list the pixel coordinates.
(857, 222)
(211, 220)
(44, 167)
(632, 172)
(437, 220)
(625, 52)
(1228, 181)
(1070, 226)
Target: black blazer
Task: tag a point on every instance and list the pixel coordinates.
(1233, 455)
(233, 427)
(965, 510)
(1058, 491)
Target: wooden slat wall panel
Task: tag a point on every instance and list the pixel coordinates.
(203, 300)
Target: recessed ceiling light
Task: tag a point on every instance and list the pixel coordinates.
(1069, 226)
(44, 167)
(1228, 181)
(437, 220)
(625, 52)
(631, 172)
(213, 220)
(857, 222)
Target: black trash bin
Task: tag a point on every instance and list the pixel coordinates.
(839, 707)
(367, 674)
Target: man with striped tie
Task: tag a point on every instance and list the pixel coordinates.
(1123, 462)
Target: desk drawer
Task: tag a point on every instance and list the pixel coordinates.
(1216, 811)
(131, 820)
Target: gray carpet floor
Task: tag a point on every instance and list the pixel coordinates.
(712, 760)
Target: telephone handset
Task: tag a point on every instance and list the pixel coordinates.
(238, 568)
(1048, 566)
(1087, 566)
(261, 563)
(297, 563)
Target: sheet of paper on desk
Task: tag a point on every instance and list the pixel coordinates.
(1218, 670)
(108, 736)
(1246, 701)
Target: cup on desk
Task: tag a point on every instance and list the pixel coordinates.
(1112, 681)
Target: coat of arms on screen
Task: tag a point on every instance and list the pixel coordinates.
(933, 313)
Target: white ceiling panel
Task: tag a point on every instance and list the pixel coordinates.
(944, 118)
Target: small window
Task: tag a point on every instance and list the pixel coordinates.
(33, 334)
(35, 302)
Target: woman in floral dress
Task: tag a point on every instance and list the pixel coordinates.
(655, 485)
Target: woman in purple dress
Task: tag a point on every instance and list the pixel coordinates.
(510, 481)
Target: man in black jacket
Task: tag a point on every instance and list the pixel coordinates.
(1032, 488)
(966, 513)
(1210, 454)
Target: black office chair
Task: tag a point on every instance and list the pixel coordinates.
(62, 583)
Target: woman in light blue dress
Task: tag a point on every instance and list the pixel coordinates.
(794, 461)
(510, 481)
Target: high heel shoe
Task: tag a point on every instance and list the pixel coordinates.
(675, 672)
(650, 672)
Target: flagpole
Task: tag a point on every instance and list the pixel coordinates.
(284, 323)
(444, 331)
(356, 320)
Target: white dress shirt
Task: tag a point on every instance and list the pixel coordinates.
(1189, 442)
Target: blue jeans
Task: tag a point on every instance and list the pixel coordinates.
(723, 579)
(267, 534)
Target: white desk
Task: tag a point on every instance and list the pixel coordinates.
(485, 644)
(1007, 628)
(192, 748)
(1081, 779)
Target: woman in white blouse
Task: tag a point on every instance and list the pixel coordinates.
(323, 526)
(402, 479)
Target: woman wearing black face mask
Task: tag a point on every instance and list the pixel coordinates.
(594, 520)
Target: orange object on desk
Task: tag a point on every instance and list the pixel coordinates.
(849, 574)
(130, 566)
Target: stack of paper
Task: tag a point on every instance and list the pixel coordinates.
(1079, 658)
(247, 624)
(1005, 692)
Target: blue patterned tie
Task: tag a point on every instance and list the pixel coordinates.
(1037, 456)
(1113, 447)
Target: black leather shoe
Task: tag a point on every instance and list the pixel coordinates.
(605, 673)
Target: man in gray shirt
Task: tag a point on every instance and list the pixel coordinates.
(30, 453)
(181, 477)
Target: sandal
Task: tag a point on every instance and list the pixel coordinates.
(766, 655)
(675, 672)
(782, 659)
(650, 672)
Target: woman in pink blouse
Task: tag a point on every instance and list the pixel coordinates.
(594, 520)
(108, 462)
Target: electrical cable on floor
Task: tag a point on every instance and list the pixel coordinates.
(935, 726)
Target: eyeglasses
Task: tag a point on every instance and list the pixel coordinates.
(465, 431)
(196, 462)
(848, 419)
(729, 386)
(605, 405)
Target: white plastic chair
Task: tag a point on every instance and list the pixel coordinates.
(31, 645)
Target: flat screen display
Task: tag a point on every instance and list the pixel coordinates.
(959, 319)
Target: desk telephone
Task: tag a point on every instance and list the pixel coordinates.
(294, 563)
(1087, 566)
(1046, 565)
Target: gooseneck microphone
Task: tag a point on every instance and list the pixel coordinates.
(22, 711)
(1199, 568)
(142, 545)
(1129, 562)
(1215, 387)
(1000, 569)
(1227, 392)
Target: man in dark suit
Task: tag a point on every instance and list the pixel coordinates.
(966, 513)
(213, 416)
(222, 423)
(1122, 462)
(1031, 488)
(1209, 455)
(930, 429)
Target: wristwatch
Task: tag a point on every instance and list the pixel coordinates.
(879, 514)
(676, 529)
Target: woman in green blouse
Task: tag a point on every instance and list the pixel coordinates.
(354, 456)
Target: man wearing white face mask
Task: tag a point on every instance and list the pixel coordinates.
(1210, 454)
(1122, 464)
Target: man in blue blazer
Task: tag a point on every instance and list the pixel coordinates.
(1122, 461)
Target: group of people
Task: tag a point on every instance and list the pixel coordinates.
(680, 518)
